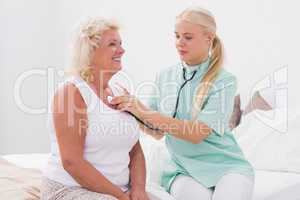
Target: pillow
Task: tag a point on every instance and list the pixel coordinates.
(270, 139)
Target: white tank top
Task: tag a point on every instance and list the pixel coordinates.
(110, 136)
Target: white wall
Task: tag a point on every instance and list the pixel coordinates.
(29, 40)
(260, 36)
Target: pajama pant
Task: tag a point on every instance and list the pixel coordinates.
(52, 190)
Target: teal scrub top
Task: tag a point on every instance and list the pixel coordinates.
(219, 153)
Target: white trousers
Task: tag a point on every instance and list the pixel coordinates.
(231, 186)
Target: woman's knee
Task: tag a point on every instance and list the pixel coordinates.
(185, 187)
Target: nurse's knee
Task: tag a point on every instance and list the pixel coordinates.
(185, 187)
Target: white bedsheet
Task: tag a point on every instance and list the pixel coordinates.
(268, 185)
(35, 161)
(276, 186)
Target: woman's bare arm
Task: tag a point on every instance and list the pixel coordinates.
(70, 121)
(137, 167)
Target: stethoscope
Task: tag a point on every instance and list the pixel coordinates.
(177, 100)
(180, 89)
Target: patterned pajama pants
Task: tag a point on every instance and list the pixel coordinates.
(52, 190)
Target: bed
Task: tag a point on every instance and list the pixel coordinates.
(269, 185)
(272, 185)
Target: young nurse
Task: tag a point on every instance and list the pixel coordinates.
(191, 109)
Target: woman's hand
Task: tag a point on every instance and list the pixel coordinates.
(125, 196)
(138, 194)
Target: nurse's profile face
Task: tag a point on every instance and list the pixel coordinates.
(192, 42)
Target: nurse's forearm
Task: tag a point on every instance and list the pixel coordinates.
(154, 133)
(192, 131)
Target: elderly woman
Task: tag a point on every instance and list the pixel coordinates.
(206, 161)
(95, 149)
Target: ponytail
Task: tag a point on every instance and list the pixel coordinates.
(216, 61)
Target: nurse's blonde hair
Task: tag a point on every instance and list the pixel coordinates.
(86, 39)
(202, 17)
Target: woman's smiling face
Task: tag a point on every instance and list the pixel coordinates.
(108, 55)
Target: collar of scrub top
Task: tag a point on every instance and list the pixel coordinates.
(200, 68)
(189, 72)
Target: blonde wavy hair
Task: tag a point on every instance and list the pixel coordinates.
(204, 18)
(86, 39)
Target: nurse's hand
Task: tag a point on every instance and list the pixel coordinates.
(129, 103)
